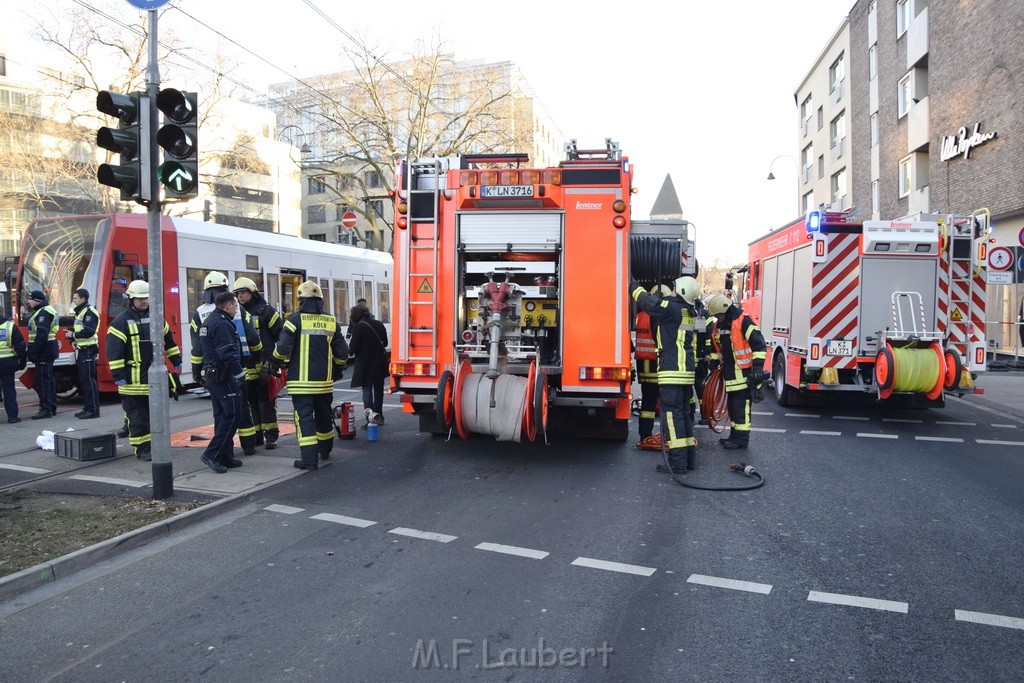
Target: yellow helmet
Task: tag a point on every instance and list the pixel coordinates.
(137, 289)
(688, 289)
(661, 290)
(244, 283)
(310, 290)
(719, 303)
(215, 279)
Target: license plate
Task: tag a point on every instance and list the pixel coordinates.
(506, 191)
(839, 347)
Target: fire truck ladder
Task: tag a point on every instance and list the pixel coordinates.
(960, 277)
(425, 183)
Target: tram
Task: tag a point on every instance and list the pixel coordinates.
(103, 253)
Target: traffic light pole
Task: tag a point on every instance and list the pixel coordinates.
(159, 400)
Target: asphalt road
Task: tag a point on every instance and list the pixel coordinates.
(878, 544)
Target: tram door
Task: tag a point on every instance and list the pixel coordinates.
(290, 281)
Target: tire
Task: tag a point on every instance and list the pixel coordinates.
(784, 395)
(442, 402)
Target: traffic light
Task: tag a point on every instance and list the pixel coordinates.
(130, 140)
(179, 173)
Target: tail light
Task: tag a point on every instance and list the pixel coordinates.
(488, 177)
(468, 178)
(551, 177)
(530, 177)
(413, 369)
(601, 372)
(508, 178)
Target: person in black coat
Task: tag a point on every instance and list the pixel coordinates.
(368, 346)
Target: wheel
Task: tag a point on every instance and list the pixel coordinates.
(954, 368)
(784, 395)
(66, 383)
(444, 407)
(540, 403)
(885, 372)
(465, 370)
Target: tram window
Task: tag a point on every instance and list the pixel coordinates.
(116, 303)
(384, 299)
(252, 262)
(341, 301)
(255, 276)
(273, 291)
(364, 290)
(195, 278)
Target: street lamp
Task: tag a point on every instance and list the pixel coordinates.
(771, 176)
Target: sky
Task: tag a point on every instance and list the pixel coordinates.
(699, 90)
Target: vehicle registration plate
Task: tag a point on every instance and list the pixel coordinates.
(506, 191)
(839, 347)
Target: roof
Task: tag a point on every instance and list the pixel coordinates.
(667, 204)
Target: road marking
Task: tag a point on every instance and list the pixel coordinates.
(811, 431)
(750, 587)
(857, 601)
(989, 619)
(283, 509)
(993, 442)
(802, 415)
(768, 414)
(613, 566)
(110, 480)
(25, 468)
(899, 419)
(1005, 426)
(342, 519)
(948, 439)
(956, 424)
(850, 417)
(513, 550)
(866, 435)
(425, 535)
(767, 429)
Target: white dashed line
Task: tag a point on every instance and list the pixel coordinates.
(850, 417)
(283, 509)
(900, 419)
(766, 414)
(955, 424)
(947, 439)
(989, 619)
(341, 519)
(513, 550)
(802, 415)
(613, 566)
(425, 535)
(1005, 426)
(857, 601)
(25, 468)
(750, 587)
(992, 442)
(815, 433)
(767, 429)
(867, 435)
(110, 480)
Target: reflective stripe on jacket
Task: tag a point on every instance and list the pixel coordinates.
(312, 347)
(80, 326)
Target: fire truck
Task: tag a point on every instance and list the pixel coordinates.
(893, 308)
(510, 308)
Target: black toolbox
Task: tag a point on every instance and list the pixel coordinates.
(82, 444)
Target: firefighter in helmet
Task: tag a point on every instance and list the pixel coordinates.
(739, 349)
(674, 318)
(268, 322)
(130, 352)
(646, 356)
(313, 349)
(214, 284)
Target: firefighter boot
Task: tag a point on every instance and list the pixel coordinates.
(271, 438)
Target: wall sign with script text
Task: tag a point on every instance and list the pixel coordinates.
(963, 142)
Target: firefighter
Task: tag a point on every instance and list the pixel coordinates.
(739, 348)
(85, 338)
(224, 377)
(43, 349)
(13, 357)
(214, 284)
(268, 322)
(705, 325)
(130, 353)
(646, 356)
(677, 346)
(313, 349)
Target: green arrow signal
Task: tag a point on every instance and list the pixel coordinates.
(175, 176)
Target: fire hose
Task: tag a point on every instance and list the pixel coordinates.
(654, 259)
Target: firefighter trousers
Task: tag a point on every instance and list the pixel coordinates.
(676, 425)
(262, 413)
(314, 426)
(739, 414)
(648, 408)
(136, 413)
(227, 415)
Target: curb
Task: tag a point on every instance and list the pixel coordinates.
(58, 568)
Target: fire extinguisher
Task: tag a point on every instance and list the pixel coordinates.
(346, 421)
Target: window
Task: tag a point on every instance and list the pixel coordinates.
(273, 293)
(346, 236)
(378, 207)
(821, 166)
(252, 262)
(836, 74)
(319, 237)
(325, 288)
(253, 275)
(3, 65)
(872, 62)
(837, 186)
(874, 129)
(837, 130)
(903, 96)
(384, 301)
(874, 198)
(364, 290)
(807, 161)
(906, 176)
(342, 304)
(371, 179)
(902, 17)
(807, 203)
(806, 109)
(316, 213)
(342, 209)
(316, 186)
(821, 117)
(195, 278)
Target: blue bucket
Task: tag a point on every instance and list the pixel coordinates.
(371, 432)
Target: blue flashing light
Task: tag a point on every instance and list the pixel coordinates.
(813, 221)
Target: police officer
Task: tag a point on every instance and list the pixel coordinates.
(86, 341)
(677, 346)
(217, 283)
(43, 349)
(739, 348)
(646, 356)
(224, 377)
(268, 322)
(13, 357)
(312, 347)
(130, 353)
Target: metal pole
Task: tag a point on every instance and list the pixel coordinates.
(159, 401)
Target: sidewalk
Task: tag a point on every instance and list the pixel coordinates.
(1004, 391)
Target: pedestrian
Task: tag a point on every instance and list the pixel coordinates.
(1020, 322)
(646, 357)
(360, 304)
(214, 284)
(674, 317)
(370, 370)
(130, 354)
(85, 339)
(313, 349)
(43, 349)
(224, 377)
(268, 322)
(739, 348)
(13, 357)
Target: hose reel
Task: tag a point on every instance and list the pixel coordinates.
(654, 260)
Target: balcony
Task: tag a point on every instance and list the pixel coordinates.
(836, 152)
(919, 201)
(918, 133)
(917, 38)
(836, 93)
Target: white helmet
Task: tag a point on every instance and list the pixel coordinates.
(661, 290)
(244, 283)
(215, 279)
(310, 290)
(719, 303)
(688, 289)
(137, 289)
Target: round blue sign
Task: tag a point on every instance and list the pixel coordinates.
(147, 4)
